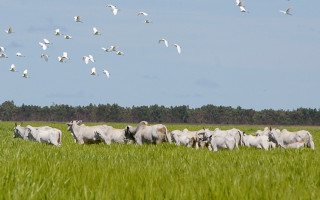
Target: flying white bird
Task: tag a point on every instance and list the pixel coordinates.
(46, 41)
(44, 46)
(113, 8)
(287, 12)
(178, 48)
(77, 18)
(67, 37)
(164, 41)
(239, 3)
(91, 58)
(19, 54)
(58, 32)
(63, 57)
(25, 73)
(96, 31)
(86, 59)
(2, 49)
(93, 71)
(13, 68)
(142, 13)
(45, 57)
(9, 31)
(242, 9)
(147, 21)
(119, 53)
(112, 48)
(106, 73)
(3, 55)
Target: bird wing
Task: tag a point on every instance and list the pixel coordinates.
(115, 11)
(288, 10)
(46, 41)
(65, 55)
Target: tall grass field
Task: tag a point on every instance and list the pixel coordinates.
(30, 170)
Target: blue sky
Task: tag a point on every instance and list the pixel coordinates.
(261, 59)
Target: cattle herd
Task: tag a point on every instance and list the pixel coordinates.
(213, 140)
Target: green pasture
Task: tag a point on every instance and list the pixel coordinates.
(30, 170)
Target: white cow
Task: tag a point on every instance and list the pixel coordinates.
(42, 134)
(45, 134)
(148, 134)
(285, 138)
(203, 135)
(260, 142)
(85, 134)
(185, 137)
(217, 142)
(260, 132)
(20, 132)
(112, 135)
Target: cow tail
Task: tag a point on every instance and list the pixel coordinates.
(168, 136)
(310, 141)
(59, 138)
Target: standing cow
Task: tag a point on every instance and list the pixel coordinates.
(286, 138)
(44, 134)
(112, 135)
(85, 134)
(148, 134)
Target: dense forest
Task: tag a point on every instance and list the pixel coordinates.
(208, 114)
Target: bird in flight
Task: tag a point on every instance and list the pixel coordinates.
(13, 68)
(142, 13)
(45, 57)
(25, 73)
(9, 31)
(113, 8)
(106, 73)
(287, 12)
(178, 48)
(93, 71)
(164, 41)
(77, 18)
(96, 31)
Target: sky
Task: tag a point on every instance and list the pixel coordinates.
(257, 60)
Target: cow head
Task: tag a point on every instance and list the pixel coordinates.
(19, 131)
(275, 136)
(72, 123)
(129, 132)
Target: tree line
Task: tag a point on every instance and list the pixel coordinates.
(208, 114)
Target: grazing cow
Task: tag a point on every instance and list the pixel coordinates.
(112, 135)
(260, 142)
(285, 138)
(86, 134)
(45, 134)
(148, 134)
(20, 132)
(185, 137)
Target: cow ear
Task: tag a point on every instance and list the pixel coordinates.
(21, 123)
(270, 128)
(15, 124)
